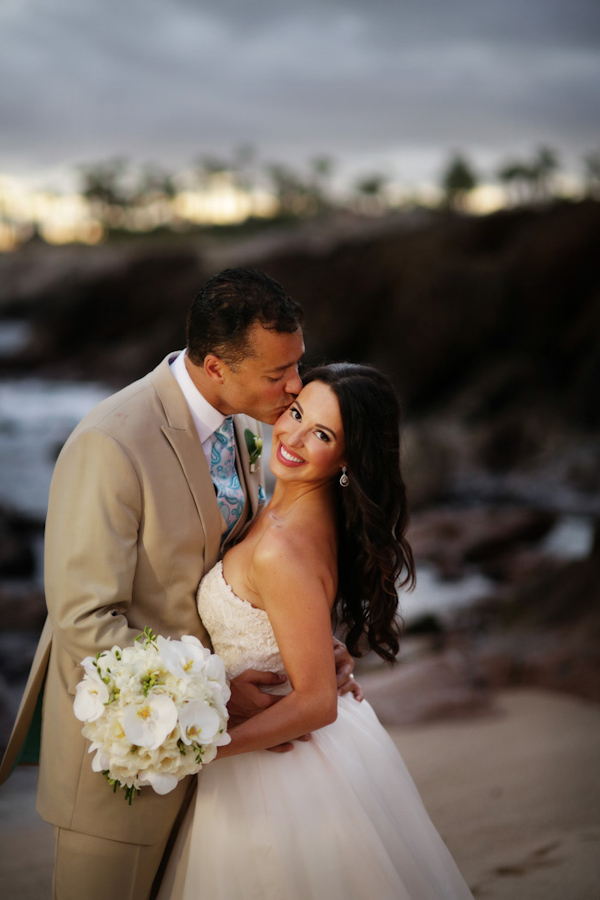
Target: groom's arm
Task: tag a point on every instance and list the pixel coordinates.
(90, 554)
(248, 696)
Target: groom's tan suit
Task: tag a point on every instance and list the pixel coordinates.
(133, 524)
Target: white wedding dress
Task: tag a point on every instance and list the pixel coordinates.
(337, 818)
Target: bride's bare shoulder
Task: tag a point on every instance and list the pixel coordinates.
(297, 550)
(299, 533)
(280, 539)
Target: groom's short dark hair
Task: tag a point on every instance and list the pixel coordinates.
(228, 304)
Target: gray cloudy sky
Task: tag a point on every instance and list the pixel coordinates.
(376, 84)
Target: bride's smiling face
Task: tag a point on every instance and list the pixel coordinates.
(308, 438)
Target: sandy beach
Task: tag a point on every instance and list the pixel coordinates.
(515, 794)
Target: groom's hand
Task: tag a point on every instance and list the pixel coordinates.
(248, 696)
(344, 666)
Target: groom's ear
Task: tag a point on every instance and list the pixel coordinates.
(214, 368)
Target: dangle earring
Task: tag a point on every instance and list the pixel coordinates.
(344, 480)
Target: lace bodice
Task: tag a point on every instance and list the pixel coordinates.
(240, 633)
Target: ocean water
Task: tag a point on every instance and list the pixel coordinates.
(36, 417)
(13, 336)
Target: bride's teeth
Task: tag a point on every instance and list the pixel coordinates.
(288, 456)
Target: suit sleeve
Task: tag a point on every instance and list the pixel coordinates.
(94, 511)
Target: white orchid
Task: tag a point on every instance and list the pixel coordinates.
(91, 695)
(215, 671)
(199, 723)
(184, 658)
(149, 723)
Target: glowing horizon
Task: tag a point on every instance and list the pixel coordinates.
(70, 217)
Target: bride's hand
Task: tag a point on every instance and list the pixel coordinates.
(247, 697)
(344, 665)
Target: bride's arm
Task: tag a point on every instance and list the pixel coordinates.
(297, 594)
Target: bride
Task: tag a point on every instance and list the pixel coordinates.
(339, 817)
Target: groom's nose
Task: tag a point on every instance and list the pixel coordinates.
(293, 385)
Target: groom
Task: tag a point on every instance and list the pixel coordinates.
(134, 522)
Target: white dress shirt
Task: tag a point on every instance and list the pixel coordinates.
(206, 418)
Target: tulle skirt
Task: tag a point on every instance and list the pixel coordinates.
(338, 818)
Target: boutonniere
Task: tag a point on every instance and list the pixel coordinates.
(254, 443)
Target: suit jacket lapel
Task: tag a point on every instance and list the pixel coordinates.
(183, 437)
(250, 480)
(181, 433)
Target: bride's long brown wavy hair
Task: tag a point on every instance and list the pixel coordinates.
(374, 557)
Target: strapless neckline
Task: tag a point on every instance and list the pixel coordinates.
(230, 590)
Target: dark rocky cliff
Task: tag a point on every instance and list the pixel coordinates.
(510, 300)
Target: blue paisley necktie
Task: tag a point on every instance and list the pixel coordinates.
(225, 478)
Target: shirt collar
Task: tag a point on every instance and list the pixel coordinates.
(206, 418)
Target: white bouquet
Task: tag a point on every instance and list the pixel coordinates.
(154, 712)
